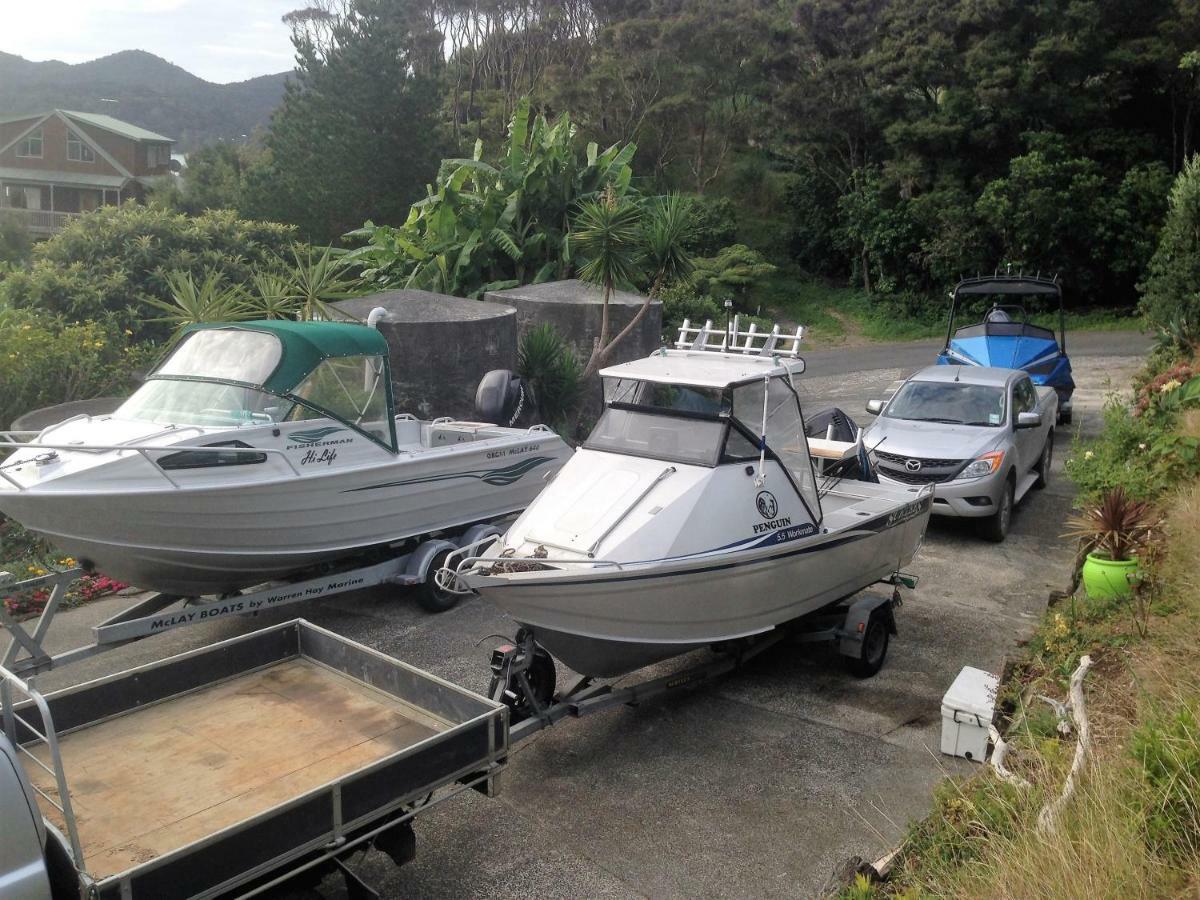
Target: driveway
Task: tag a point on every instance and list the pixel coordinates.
(758, 784)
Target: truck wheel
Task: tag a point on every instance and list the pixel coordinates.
(431, 595)
(1043, 465)
(995, 527)
(1064, 418)
(874, 649)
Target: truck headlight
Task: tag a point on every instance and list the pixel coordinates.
(984, 465)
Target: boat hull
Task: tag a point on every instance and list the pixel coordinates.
(215, 539)
(604, 623)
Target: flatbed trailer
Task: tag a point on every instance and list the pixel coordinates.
(228, 769)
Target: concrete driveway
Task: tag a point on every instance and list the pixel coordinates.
(758, 784)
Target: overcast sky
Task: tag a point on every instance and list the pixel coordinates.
(219, 40)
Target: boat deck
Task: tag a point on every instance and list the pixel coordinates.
(156, 779)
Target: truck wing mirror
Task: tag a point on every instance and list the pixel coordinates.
(874, 407)
(1029, 420)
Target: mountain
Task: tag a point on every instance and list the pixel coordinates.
(152, 93)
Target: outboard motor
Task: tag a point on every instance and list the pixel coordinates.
(831, 424)
(505, 398)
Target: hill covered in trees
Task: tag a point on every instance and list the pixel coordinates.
(152, 93)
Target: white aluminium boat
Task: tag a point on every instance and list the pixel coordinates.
(693, 514)
(257, 450)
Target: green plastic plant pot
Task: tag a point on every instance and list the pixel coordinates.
(1105, 579)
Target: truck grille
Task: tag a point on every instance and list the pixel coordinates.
(932, 470)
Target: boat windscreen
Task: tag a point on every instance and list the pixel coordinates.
(168, 401)
(660, 395)
(248, 357)
(681, 439)
(350, 388)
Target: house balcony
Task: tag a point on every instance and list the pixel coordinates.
(40, 222)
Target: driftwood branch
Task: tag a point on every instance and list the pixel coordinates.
(1048, 818)
(999, 752)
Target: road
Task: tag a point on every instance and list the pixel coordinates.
(759, 784)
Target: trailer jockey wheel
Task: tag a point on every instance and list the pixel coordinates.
(541, 678)
(431, 595)
(874, 648)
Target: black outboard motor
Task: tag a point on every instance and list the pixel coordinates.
(818, 425)
(504, 397)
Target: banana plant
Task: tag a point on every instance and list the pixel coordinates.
(485, 226)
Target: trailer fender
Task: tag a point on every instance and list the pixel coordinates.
(418, 563)
(478, 533)
(850, 635)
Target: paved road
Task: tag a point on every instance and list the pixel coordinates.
(757, 785)
(913, 354)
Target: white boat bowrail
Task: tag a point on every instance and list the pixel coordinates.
(144, 450)
(732, 339)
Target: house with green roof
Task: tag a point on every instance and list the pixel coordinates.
(59, 164)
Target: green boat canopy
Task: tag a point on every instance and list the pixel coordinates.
(301, 347)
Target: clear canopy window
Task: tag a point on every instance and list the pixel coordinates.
(225, 355)
(952, 403)
(171, 402)
(784, 431)
(350, 388)
(694, 442)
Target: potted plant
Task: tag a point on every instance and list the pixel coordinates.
(1112, 532)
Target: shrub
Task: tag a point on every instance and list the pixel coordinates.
(105, 264)
(682, 301)
(548, 363)
(44, 361)
(734, 272)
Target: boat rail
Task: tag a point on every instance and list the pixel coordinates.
(143, 450)
(463, 560)
(22, 734)
(732, 339)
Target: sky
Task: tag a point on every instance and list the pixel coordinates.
(219, 40)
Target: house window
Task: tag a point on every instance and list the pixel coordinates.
(156, 156)
(31, 145)
(77, 150)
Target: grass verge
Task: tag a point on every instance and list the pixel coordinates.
(1132, 829)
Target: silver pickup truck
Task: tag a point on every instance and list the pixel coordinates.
(984, 436)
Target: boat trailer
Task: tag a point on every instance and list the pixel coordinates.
(414, 566)
(523, 675)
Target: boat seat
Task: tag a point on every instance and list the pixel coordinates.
(828, 449)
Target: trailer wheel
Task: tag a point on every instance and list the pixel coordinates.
(874, 648)
(430, 594)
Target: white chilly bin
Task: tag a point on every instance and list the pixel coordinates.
(967, 713)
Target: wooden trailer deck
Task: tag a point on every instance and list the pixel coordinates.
(158, 778)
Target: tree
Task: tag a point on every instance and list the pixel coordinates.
(606, 232)
(16, 244)
(1171, 291)
(357, 134)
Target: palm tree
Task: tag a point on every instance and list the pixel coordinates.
(665, 230)
(606, 233)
